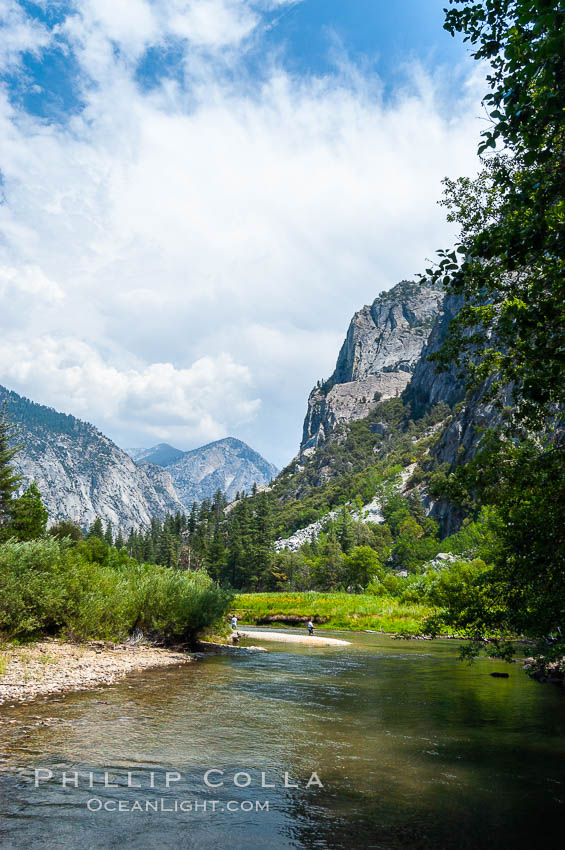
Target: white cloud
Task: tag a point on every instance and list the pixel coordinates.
(130, 23)
(212, 23)
(97, 27)
(18, 34)
(158, 400)
(173, 236)
(29, 280)
(270, 5)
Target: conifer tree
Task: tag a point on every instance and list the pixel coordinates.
(9, 478)
(109, 534)
(262, 538)
(148, 551)
(346, 532)
(96, 529)
(193, 518)
(28, 515)
(66, 528)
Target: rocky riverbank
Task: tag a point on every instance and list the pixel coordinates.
(553, 671)
(50, 666)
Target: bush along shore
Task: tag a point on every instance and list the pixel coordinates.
(89, 590)
(68, 611)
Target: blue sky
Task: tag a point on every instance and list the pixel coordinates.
(198, 194)
(374, 33)
(309, 37)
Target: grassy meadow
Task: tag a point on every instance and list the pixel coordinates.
(353, 612)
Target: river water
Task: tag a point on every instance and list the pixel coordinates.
(413, 749)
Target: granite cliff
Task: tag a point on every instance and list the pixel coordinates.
(382, 348)
(81, 473)
(386, 354)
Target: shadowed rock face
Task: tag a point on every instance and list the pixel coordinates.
(381, 350)
(428, 386)
(161, 455)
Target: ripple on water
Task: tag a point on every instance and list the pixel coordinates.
(414, 749)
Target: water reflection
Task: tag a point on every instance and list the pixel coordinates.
(415, 750)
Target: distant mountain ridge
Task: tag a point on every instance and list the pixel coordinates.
(162, 454)
(229, 465)
(82, 474)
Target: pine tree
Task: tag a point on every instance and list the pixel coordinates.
(132, 544)
(236, 550)
(167, 553)
(346, 532)
(66, 528)
(262, 538)
(96, 529)
(28, 515)
(109, 534)
(148, 548)
(193, 518)
(9, 479)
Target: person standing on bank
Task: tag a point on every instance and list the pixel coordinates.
(310, 627)
(234, 623)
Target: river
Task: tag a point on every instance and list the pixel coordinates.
(404, 747)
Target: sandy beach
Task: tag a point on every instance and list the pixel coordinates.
(283, 637)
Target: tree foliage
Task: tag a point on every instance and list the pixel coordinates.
(28, 515)
(49, 586)
(508, 263)
(523, 592)
(9, 478)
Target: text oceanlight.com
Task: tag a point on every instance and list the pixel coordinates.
(167, 805)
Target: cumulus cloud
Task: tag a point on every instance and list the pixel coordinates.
(200, 246)
(193, 403)
(96, 27)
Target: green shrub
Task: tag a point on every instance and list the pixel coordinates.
(49, 586)
(454, 584)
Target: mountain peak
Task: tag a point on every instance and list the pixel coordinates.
(228, 464)
(82, 474)
(162, 454)
(376, 361)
